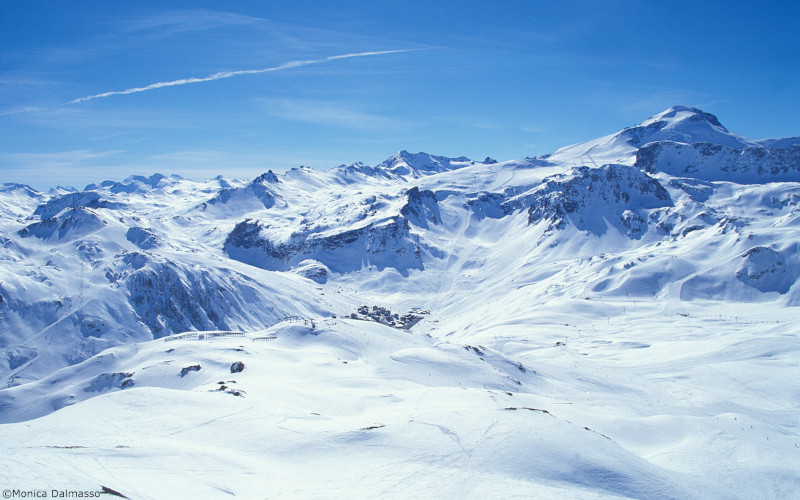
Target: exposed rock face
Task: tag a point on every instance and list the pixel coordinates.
(260, 190)
(359, 169)
(135, 184)
(495, 205)
(587, 197)
(415, 165)
(84, 199)
(591, 198)
(152, 256)
(421, 208)
(168, 304)
(766, 270)
(344, 236)
(67, 224)
(142, 237)
(188, 369)
(171, 298)
(387, 243)
(716, 162)
(108, 381)
(313, 270)
(697, 190)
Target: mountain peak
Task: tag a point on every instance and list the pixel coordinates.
(136, 183)
(10, 187)
(678, 124)
(268, 177)
(684, 114)
(687, 125)
(417, 164)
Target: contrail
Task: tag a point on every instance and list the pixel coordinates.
(230, 74)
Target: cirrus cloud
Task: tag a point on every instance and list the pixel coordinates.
(231, 74)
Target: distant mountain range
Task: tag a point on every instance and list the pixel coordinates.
(682, 234)
(153, 256)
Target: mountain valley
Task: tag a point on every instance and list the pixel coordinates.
(617, 319)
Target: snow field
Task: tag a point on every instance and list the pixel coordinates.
(357, 409)
(618, 319)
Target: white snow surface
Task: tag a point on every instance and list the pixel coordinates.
(615, 320)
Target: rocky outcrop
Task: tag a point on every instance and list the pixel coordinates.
(716, 162)
(171, 298)
(168, 302)
(84, 199)
(142, 237)
(415, 165)
(135, 184)
(385, 243)
(766, 270)
(313, 270)
(495, 205)
(260, 190)
(593, 198)
(107, 381)
(421, 208)
(67, 224)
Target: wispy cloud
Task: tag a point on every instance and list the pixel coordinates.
(26, 109)
(231, 74)
(58, 159)
(533, 129)
(174, 22)
(325, 113)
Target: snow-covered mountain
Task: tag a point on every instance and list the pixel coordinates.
(617, 318)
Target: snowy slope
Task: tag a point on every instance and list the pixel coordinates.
(78, 279)
(643, 285)
(679, 124)
(348, 408)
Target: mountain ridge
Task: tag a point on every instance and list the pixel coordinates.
(404, 219)
(576, 324)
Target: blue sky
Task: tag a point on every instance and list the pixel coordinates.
(505, 79)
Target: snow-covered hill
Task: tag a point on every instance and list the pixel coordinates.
(642, 288)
